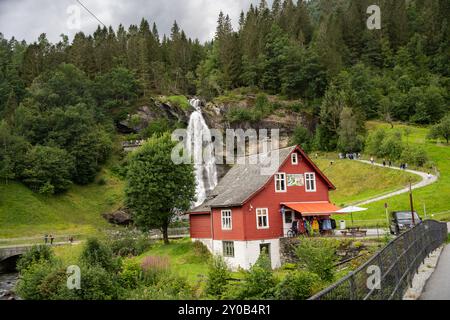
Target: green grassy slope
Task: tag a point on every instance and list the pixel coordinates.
(24, 213)
(357, 181)
(435, 197)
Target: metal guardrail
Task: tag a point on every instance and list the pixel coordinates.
(387, 275)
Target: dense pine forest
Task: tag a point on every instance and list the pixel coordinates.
(59, 102)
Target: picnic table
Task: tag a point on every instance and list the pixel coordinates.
(354, 231)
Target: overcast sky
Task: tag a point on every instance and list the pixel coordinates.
(27, 19)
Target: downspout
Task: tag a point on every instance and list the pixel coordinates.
(212, 230)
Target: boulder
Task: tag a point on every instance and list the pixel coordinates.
(120, 217)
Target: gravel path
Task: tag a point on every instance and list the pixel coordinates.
(426, 180)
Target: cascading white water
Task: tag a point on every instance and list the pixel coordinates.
(200, 147)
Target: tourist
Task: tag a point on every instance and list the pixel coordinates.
(390, 163)
(384, 163)
(51, 239)
(46, 239)
(371, 160)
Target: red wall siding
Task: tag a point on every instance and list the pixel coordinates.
(200, 226)
(237, 231)
(244, 219)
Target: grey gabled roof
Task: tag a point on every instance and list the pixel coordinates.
(242, 181)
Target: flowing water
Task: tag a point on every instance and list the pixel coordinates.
(7, 284)
(201, 148)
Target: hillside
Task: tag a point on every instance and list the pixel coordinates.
(24, 213)
(434, 198)
(357, 181)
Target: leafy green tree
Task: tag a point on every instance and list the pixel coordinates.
(442, 129)
(302, 137)
(48, 170)
(350, 139)
(158, 189)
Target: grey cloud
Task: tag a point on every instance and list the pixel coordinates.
(27, 19)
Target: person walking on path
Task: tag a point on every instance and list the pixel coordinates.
(46, 239)
(372, 161)
(51, 239)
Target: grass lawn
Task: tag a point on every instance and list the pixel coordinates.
(357, 181)
(434, 198)
(183, 259)
(24, 213)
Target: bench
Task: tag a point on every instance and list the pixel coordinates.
(355, 232)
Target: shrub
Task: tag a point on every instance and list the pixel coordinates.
(218, 276)
(31, 279)
(318, 256)
(201, 251)
(36, 254)
(98, 284)
(129, 243)
(391, 147)
(97, 254)
(169, 287)
(299, 285)
(415, 155)
(258, 283)
(131, 274)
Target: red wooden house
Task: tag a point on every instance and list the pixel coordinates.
(248, 211)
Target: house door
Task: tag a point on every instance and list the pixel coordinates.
(287, 221)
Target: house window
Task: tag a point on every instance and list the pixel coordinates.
(228, 249)
(280, 182)
(310, 182)
(226, 220)
(294, 158)
(262, 218)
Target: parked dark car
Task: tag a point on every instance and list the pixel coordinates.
(402, 221)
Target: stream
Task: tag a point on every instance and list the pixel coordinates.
(7, 284)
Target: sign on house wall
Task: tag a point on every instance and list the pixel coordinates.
(295, 180)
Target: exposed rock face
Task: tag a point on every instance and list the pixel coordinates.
(153, 111)
(121, 217)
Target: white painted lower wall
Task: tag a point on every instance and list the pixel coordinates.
(245, 252)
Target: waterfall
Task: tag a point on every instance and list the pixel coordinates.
(201, 148)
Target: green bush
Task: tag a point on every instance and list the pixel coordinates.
(98, 284)
(318, 256)
(414, 155)
(128, 243)
(169, 287)
(258, 283)
(31, 278)
(218, 276)
(131, 274)
(36, 254)
(178, 101)
(97, 254)
(299, 285)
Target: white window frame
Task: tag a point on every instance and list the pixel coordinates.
(231, 243)
(282, 179)
(308, 181)
(227, 225)
(261, 212)
(294, 155)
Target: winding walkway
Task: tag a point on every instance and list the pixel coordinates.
(426, 180)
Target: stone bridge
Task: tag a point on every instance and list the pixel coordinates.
(10, 255)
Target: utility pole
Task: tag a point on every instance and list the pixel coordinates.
(411, 203)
